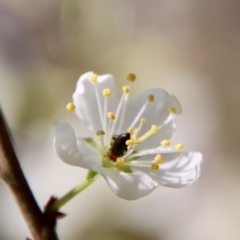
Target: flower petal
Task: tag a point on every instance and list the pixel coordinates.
(156, 113)
(178, 169)
(75, 151)
(129, 186)
(86, 101)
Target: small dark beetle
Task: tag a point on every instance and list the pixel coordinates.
(119, 146)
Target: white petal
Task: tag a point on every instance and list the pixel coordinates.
(156, 113)
(86, 102)
(178, 169)
(75, 151)
(129, 186)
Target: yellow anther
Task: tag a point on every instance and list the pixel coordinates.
(111, 115)
(172, 110)
(106, 92)
(134, 138)
(154, 128)
(93, 78)
(154, 166)
(130, 130)
(179, 146)
(135, 130)
(165, 143)
(120, 160)
(131, 77)
(142, 120)
(158, 158)
(125, 89)
(100, 132)
(70, 107)
(130, 142)
(150, 98)
(152, 131)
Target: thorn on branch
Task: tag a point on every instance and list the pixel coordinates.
(50, 215)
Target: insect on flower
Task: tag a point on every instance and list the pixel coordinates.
(119, 146)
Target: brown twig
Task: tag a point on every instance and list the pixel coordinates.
(12, 174)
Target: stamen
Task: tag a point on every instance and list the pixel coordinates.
(100, 133)
(99, 103)
(120, 160)
(134, 135)
(119, 108)
(135, 130)
(142, 120)
(150, 98)
(125, 89)
(70, 107)
(179, 146)
(172, 110)
(130, 130)
(123, 109)
(93, 78)
(108, 135)
(120, 113)
(158, 158)
(134, 138)
(152, 131)
(138, 164)
(131, 77)
(106, 92)
(111, 115)
(165, 143)
(154, 166)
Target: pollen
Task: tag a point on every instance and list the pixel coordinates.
(178, 146)
(70, 107)
(125, 89)
(111, 115)
(172, 110)
(165, 143)
(130, 130)
(93, 78)
(130, 142)
(120, 160)
(134, 138)
(150, 98)
(158, 158)
(106, 92)
(131, 77)
(100, 133)
(142, 120)
(154, 166)
(135, 130)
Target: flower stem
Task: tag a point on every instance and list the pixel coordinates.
(90, 178)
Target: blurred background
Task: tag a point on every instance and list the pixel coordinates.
(189, 48)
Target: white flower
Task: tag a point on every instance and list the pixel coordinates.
(145, 160)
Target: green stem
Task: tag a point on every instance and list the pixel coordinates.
(90, 178)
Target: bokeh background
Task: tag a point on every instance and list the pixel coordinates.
(190, 48)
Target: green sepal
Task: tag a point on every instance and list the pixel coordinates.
(91, 175)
